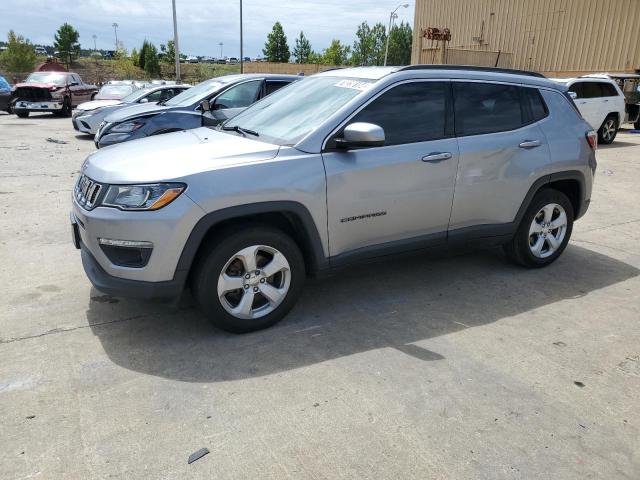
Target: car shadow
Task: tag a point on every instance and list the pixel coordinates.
(617, 144)
(84, 136)
(384, 305)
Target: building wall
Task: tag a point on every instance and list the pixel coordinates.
(555, 37)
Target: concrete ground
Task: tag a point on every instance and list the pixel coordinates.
(456, 366)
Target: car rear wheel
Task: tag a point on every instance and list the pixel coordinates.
(608, 130)
(22, 114)
(250, 279)
(544, 231)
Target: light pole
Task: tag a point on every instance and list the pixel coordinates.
(221, 44)
(391, 17)
(94, 42)
(115, 30)
(176, 48)
(241, 52)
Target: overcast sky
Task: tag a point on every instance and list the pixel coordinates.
(202, 24)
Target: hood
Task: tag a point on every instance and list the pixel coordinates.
(38, 85)
(174, 156)
(137, 110)
(92, 105)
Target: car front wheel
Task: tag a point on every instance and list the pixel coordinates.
(544, 231)
(250, 279)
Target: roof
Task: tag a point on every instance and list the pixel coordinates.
(373, 73)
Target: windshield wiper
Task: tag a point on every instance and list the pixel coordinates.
(238, 129)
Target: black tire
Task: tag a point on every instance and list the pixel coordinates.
(218, 253)
(604, 138)
(65, 111)
(637, 125)
(22, 114)
(518, 249)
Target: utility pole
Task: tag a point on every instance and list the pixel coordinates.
(94, 42)
(115, 30)
(175, 41)
(391, 17)
(221, 44)
(241, 52)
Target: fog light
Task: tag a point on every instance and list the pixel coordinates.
(126, 253)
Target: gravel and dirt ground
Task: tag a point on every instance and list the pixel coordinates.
(454, 366)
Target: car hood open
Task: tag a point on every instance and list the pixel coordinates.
(174, 156)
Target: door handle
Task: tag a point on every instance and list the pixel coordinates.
(606, 100)
(436, 157)
(530, 144)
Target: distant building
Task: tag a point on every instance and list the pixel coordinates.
(556, 38)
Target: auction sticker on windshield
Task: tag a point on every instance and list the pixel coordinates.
(355, 84)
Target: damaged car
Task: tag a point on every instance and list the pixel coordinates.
(56, 92)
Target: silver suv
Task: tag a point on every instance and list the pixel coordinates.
(340, 167)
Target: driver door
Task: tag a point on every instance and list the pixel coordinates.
(232, 101)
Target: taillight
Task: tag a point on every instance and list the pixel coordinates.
(592, 138)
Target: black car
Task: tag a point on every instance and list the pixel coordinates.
(225, 97)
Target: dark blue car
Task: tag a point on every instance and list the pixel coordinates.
(225, 97)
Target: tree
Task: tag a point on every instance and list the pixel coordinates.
(135, 57)
(336, 54)
(66, 42)
(368, 49)
(302, 50)
(400, 39)
(168, 52)
(379, 34)
(151, 64)
(19, 57)
(142, 56)
(276, 48)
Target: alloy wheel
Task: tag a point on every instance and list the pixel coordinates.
(608, 130)
(547, 230)
(254, 282)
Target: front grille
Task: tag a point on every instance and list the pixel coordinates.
(33, 94)
(87, 192)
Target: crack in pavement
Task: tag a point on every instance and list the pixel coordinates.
(70, 329)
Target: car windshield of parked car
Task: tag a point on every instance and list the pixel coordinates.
(136, 95)
(291, 113)
(194, 94)
(59, 79)
(114, 92)
(4, 85)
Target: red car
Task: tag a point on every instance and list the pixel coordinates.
(56, 92)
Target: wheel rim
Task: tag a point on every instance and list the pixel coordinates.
(608, 129)
(547, 230)
(254, 282)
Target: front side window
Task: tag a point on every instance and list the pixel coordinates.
(486, 108)
(195, 94)
(154, 97)
(272, 86)
(411, 112)
(239, 96)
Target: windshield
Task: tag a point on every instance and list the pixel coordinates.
(289, 114)
(114, 91)
(194, 94)
(59, 79)
(135, 96)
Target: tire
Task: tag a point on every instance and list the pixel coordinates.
(230, 253)
(66, 108)
(22, 114)
(608, 130)
(520, 249)
(637, 124)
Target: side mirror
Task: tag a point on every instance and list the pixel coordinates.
(206, 106)
(144, 100)
(573, 95)
(361, 135)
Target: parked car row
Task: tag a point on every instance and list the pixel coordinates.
(340, 167)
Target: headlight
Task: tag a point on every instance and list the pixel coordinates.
(126, 127)
(142, 197)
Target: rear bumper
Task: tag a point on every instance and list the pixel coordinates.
(122, 287)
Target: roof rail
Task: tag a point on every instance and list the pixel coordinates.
(471, 68)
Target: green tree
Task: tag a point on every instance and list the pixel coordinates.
(400, 39)
(315, 57)
(302, 50)
(379, 34)
(168, 52)
(142, 56)
(135, 58)
(151, 64)
(364, 45)
(276, 48)
(19, 57)
(66, 42)
(336, 53)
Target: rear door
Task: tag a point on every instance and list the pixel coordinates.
(502, 152)
(379, 196)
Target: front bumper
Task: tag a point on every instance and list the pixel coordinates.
(85, 122)
(35, 106)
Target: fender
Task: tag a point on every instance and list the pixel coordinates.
(204, 225)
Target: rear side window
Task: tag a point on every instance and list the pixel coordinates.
(533, 104)
(592, 90)
(486, 108)
(273, 86)
(411, 112)
(608, 90)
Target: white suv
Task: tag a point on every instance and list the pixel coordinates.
(600, 101)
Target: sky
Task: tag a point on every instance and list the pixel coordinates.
(202, 24)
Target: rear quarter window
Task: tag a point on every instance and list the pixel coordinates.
(608, 90)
